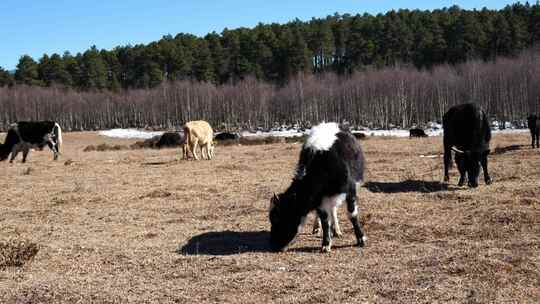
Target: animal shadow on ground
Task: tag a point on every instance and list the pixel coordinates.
(501, 150)
(227, 243)
(159, 163)
(407, 186)
(315, 249)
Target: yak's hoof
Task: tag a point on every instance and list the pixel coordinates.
(489, 181)
(362, 242)
(461, 182)
(326, 249)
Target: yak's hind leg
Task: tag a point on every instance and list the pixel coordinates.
(484, 163)
(209, 150)
(336, 230)
(352, 209)
(316, 225)
(14, 151)
(325, 223)
(194, 149)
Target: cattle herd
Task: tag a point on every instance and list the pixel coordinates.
(329, 170)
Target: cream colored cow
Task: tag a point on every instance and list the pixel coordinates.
(198, 133)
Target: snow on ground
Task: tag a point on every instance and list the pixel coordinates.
(434, 129)
(275, 133)
(129, 133)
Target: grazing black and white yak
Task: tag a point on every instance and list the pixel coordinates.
(330, 168)
(24, 135)
(467, 132)
(417, 132)
(533, 122)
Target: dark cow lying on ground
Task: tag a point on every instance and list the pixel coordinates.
(330, 168)
(416, 132)
(170, 139)
(533, 122)
(24, 135)
(226, 136)
(467, 132)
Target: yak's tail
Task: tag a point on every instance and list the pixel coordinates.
(12, 139)
(58, 134)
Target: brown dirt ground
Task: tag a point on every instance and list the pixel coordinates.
(140, 226)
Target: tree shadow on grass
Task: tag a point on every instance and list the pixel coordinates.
(227, 243)
(408, 186)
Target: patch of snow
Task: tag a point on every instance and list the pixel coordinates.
(129, 133)
(511, 131)
(274, 133)
(391, 132)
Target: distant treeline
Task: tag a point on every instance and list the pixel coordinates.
(508, 88)
(277, 53)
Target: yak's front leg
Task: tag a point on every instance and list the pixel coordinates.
(325, 223)
(25, 152)
(352, 209)
(54, 148)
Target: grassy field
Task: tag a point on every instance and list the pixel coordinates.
(141, 226)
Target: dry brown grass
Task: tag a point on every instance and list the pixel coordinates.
(141, 226)
(16, 252)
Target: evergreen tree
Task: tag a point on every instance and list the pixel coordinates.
(6, 79)
(27, 71)
(203, 68)
(52, 71)
(94, 70)
(73, 67)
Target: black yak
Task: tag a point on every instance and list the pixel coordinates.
(467, 132)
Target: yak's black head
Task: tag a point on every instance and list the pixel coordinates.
(284, 221)
(469, 161)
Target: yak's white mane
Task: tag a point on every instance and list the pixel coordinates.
(322, 136)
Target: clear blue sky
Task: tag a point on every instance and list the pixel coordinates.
(35, 27)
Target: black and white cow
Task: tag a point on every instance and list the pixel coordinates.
(533, 122)
(467, 132)
(330, 168)
(24, 135)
